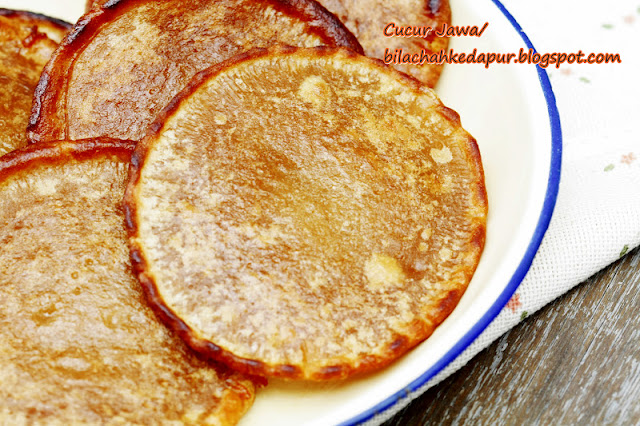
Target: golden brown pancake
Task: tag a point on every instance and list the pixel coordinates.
(53, 28)
(367, 20)
(306, 213)
(125, 61)
(78, 343)
(27, 41)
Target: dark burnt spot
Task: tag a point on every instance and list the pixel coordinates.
(9, 13)
(398, 344)
(78, 29)
(110, 4)
(136, 257)
(212, 349)
(33, 37)
(478, 237)
(155, 127)
(135, 160)
(321, 23)
(289, 371)
(447, 305)
(253, 365)
(450, 114)
(40, 91)
(434, 7)
(331, 372)
(131, 226)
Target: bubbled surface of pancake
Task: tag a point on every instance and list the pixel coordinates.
(126, 61)
(367, 19)
(306, 213)
(27, 41)
(78, 344)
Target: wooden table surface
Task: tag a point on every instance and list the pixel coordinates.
(575, 362)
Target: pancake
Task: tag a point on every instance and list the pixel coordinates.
(367, 20)
(55, 29)
(125, 61)
(27, 41)
(305, 213)
(78, 343)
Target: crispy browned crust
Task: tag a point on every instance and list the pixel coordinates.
(420, 329)
(350, 12)
(55, 28)
(368, 18)
(48, 120)
(27, 41)
(324, 24)
(61, 151)
(239, 391)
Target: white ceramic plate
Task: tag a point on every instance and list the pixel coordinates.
(511, 111)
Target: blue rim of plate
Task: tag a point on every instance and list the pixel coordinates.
(522, 269)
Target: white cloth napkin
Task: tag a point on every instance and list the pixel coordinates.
(597, 215)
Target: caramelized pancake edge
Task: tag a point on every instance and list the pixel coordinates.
(49, 115)
(55, 28)
(26, 43)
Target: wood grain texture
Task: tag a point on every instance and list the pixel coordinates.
(577, 361)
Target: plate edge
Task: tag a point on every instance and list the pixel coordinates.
(403, 397)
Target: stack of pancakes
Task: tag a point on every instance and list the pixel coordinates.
(198, 195)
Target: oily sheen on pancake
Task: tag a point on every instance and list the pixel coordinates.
(306, 213)
(367, 20)
(125, 60)
(78, 343)
(55, 29)
(27, 41)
